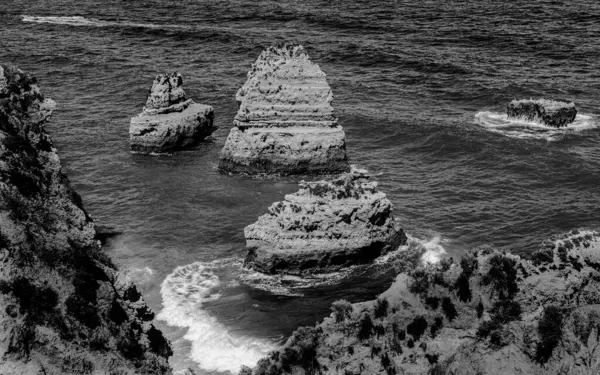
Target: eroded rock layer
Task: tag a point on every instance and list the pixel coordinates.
(489, 313)
(64, 308)
(548, 112)
(325, 226)
(169, 121)
(285, 122)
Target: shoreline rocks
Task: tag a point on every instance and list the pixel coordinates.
(64, 307)
(549, 112)
(325, 226)
(285, 123)
(490, 312)
(169, 121)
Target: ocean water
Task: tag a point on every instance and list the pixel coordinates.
(420, 88)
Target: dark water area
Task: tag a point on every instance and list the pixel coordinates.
(409, 79)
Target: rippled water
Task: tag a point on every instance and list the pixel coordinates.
(412, 81)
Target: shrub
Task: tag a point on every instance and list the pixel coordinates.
(417, 327)
(506, 310)
(449, 309)
(464, 289)
(34, 300)
(480, 309)
(485, 328)
(550, 331)
(342, 310)
(420, 282)
(432, 302)
(366, 328)
(381, 308)
(469, 264)
(502, 275)
(436, 326)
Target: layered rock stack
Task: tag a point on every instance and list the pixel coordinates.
(325, 226)
(64, 308)
(548, 112)
(169, 121)
(285, 123)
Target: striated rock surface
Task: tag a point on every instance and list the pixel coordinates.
(325, 226)
(169, 121)
(489, 313)
(64, 308)
(285, 123)
(548, 112)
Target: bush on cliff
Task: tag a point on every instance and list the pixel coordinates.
(550, 331)
(341, 310)
(502, 275)
(381, 308)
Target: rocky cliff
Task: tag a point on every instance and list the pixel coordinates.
(548, 112)
(325, 226)
(64, 308)
(488, 313)
(285, 123)
(169, 121)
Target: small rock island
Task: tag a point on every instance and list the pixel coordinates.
(325, 226)
(285, 123)
(548, 112)
(169, 121)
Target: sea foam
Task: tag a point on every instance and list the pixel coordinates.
(213, 346)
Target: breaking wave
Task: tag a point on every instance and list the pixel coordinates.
(91, 22)
(523, 129)
(213, 346)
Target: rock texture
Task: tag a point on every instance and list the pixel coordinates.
(325, 226)
(285, 123)
(169, 121)
(489, 313)
(64, 308)
(548, 112)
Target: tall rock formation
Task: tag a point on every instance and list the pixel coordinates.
(489, 313)
(325, 226)
(285, 123)
(169, 121)
(64, 308)
(548, 112)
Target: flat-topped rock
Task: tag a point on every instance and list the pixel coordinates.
(169, 121)
(548, 112)
(325, 226)
(285, 123)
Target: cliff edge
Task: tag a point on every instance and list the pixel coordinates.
(64, 308)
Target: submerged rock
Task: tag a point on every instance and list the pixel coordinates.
(489, 313)
(285, 123)
(325, 226)
(169, 121)
(548, 112)
(64, 307)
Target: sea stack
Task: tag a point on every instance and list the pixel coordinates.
(64, 307)
(548, 112)
(285, 123)
(325, 226)
(169, 121)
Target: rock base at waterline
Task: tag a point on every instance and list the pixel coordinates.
(549, 112)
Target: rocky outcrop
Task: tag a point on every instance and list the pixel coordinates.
(548, 112)
(285, 123)
(325, 226)
(169, 121)
(489, 313)
(64, 308)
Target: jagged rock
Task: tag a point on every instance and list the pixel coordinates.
(549, 112)
(285, 123)
(489, 313)
(169, 121)
(325, 226)
(64, 308)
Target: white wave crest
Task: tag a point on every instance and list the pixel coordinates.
(432, 250)
(213, 347)
(70, 20)
(519, 128)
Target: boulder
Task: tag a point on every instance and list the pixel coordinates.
(549, 112)
(169, 121)
(285, 123)
(325, 226)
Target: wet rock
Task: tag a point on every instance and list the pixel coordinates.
(169, 121)
(549, 112)
(285, 123)
(64, 307)
(325, 226)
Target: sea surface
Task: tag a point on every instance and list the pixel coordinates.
(420, 88)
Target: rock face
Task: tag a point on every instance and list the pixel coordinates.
(489, 313)
(285, 123)
(325, 226)
(64, 308)
(169, 121)
(549, 112)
